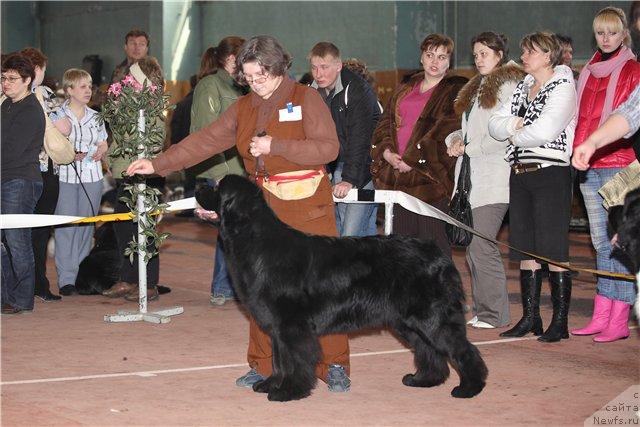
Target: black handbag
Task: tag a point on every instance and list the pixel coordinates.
(460, 208)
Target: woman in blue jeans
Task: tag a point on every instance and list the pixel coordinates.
(604, 84)
(22, 132)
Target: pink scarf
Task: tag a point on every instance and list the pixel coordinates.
(610, 67)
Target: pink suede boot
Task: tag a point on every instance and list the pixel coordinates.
(599, 319)
(617, 328)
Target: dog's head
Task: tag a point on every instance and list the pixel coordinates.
(629, 229)
(235, 199)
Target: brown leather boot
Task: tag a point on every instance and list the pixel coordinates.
(134, 295)
(120, 289)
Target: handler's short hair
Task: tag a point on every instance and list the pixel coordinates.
(267, 52)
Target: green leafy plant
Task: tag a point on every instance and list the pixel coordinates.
(122, 111)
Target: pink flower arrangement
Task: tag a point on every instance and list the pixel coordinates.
(115, 89)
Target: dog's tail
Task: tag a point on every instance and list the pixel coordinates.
(163, 289)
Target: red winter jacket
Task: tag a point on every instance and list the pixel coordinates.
(618, 154)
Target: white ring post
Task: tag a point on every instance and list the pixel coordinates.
(142, 219)
(162, 316)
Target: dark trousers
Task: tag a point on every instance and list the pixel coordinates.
(125, 232)
(408, 223)
(40, 236)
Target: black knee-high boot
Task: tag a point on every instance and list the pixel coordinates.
(560, 282)
(530, 284)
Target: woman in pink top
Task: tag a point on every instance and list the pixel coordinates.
(408, 149)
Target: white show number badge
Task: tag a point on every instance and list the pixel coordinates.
(291, 113)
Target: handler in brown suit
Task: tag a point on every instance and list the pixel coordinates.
(299, 134)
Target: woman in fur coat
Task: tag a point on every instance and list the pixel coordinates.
(408, 150)
(489, 197)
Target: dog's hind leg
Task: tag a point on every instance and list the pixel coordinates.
(432, 368)
(296, 352)
(450, 338)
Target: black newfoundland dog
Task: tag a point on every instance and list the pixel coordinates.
(100, 270)
(299, 286)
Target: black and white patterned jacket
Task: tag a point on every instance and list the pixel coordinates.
(549, 121)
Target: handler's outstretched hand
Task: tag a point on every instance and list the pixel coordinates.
(141, 167)
(205, 214)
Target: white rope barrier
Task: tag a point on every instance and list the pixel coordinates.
(386, 197)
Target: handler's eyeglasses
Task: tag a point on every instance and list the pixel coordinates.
(258, 80)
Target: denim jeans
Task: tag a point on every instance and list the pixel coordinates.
(8, 279)
(221, 282)
(355, 219)
(19, 196)
(590, 183)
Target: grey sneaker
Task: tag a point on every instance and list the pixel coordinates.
(219, 299)
(337, 379)
(249, 379)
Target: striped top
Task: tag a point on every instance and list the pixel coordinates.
(85, 135)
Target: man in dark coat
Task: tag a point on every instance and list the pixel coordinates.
(355, 111)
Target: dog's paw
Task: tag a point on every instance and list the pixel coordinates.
(285, 395)
(263, 386)
(467, 391)
(411, 380)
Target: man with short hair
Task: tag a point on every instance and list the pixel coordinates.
(355, 111)
(136, 47)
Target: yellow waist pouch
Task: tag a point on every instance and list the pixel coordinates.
(294, 185)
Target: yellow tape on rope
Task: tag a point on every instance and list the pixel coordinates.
(105, 218)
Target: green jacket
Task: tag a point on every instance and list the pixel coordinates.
(212, 96)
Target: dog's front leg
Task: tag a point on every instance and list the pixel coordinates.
(275, 380)
(296, 352)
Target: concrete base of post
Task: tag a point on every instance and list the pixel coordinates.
(160, 316)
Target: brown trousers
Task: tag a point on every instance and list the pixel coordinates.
(335, 350)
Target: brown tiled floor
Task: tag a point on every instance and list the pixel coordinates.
(62, 365)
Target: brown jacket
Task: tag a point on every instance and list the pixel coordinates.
(432, 176)
(306, 144)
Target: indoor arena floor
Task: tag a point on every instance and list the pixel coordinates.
(62, 365)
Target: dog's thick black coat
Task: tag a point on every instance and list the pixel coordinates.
(299, 286)
(100, 269)
(629, 230)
